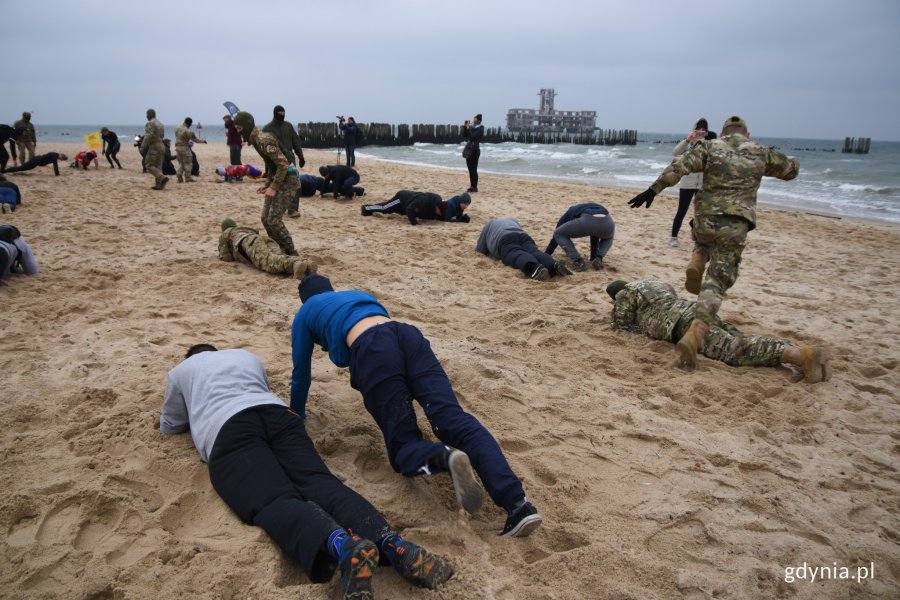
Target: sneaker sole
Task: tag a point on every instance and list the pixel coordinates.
(364, 561)
(525, 527)
(429, 571)
(469, 494)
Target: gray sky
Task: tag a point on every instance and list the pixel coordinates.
(823, 69)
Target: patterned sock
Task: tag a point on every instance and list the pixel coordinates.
(336, 542)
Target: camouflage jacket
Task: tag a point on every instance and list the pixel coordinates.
(732, 168)
(650, 308)
(276, 162)
(183, 135)
(25, 131)
(154, 132)
(230, 241)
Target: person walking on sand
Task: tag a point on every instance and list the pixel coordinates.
(724, 213)
(391, 364)
(243, 244)
(154, 150)
(289, 141)
(281, 182)
(691, 182)
(651, 308)
(584, 220)
(505, 239)
(265, 467)
(183, 138)
(111, 147)
(473, 133)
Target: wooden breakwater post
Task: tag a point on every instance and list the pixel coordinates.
(329, 135)
(856, 145)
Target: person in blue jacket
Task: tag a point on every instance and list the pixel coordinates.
(582, 220)
(391, 363)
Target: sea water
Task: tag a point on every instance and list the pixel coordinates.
(830, 182)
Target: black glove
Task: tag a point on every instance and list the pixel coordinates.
(463, 218)
(645, 197)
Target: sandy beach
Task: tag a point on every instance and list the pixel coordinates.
(653, 482)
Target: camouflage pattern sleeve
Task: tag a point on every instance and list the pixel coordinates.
(148, 134)
(268, 146)
(692, 161)
(624, 313)
(225, 246)
(780, 166)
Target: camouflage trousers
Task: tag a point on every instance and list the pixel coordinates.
(721, 240)
(154, 161)
(25, 150)
(725, 343)
(273, 213)
(185, 163)
(266, 255)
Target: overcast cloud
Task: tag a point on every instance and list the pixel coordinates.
(824, 69)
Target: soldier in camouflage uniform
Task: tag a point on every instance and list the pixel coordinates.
(184, 135)
(154, 150)
(245, 245)
(724, 212)
(26, 138)
(281, 182)
(652, 308)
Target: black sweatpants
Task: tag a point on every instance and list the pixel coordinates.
(111, 154)
(266, 468)
(519, 251)
(684, 203)
(472, 164)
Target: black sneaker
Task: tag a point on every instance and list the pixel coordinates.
(579, 265)
(359, 558)
(561, 269)
(522, 521)
(597, 263)
(540, 273)
(469, 494)
(365, 212)
(472, 190)
(420, 567)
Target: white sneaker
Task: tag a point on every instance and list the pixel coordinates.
(674, 242)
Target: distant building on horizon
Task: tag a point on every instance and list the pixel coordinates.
(549, 120)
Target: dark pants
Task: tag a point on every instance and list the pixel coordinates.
(5, 261)
(4, 157)
(472, 164)
(38, 161)
(351, 155)
(684, 203)
(391, 364)
(519, 251)
(111, 154)
(386, 208)
(235, 151)
(347, 188)
(266, 468)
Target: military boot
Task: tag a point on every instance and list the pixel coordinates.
(812, 360)
(302, 268)
(694, 273)
(689, 344)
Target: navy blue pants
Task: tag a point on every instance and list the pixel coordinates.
(519, 251)
(391, 364)
(348, 184)
(351, 155)
(266, 468)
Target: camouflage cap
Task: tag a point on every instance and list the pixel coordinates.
(735, 122)
(228, 224)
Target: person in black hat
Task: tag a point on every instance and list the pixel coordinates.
(473, 133)
(391, 363)
(289, 141)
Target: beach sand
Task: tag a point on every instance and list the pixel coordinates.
(653, 482)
